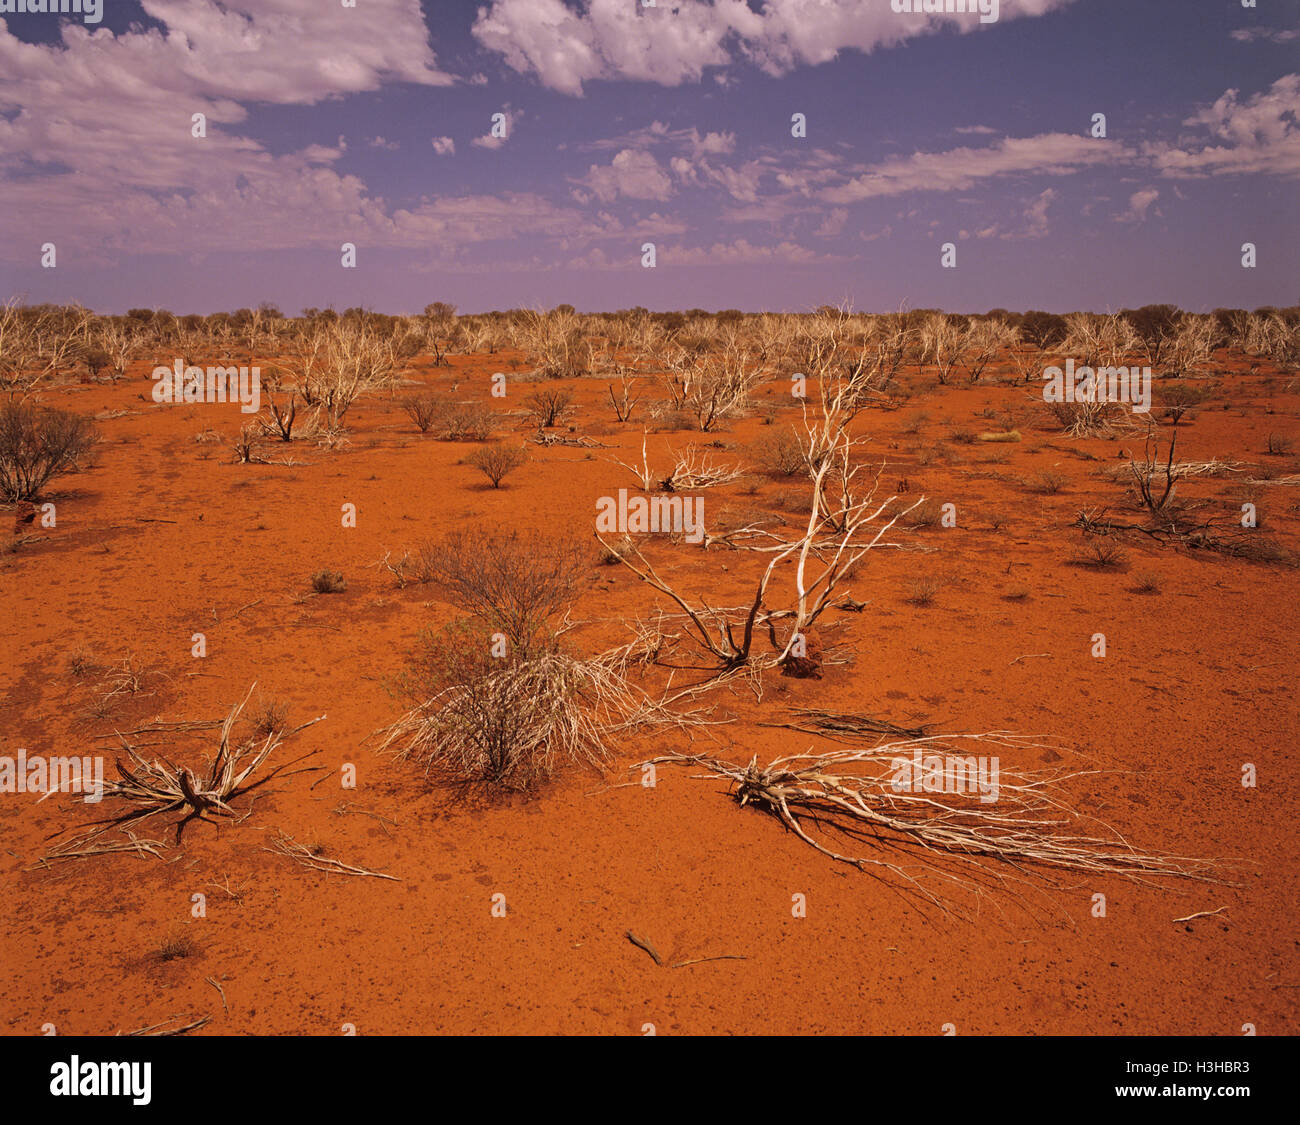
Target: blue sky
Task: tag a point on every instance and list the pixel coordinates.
(370, 125)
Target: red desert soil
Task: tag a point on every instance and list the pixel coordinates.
(161, 537)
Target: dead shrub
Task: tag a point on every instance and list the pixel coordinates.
(514, 582)
(423, 410)
(497, 460)
(548, 406)
(779, 454)
(38, 443)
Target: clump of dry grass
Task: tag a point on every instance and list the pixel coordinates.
(1048, 481)
(511, 723)
(160, 786)
(328, 582)
(922, 591)
(1148, 582)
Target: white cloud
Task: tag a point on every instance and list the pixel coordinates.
(1260, 135)
(1265, 34)
(673, 43)
(636, 175)
(1138, 205)
(960, 169)
(741, 252)
(444, 146)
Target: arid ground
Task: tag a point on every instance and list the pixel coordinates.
(988, 625)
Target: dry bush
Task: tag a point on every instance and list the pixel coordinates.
(280, 421)
(942, 341)
(1178, 398)
(159, 786)
(1048, 481)
(624, 402)
(37, 343)
(555, 343)
(508, 722)
(779, 454)
(1155, 497)
(922, 591)
(711, 387)
(514, 582)
(497, 460)
(465, 421)
(548, 405)
(423, 410)
(984, 340)
(1192, 345)
(1148, 582)
(36, 444)
(339, 360)
(1099, 552)
(328, 582)
(926, 513)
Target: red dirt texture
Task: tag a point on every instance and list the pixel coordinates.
(623, 900)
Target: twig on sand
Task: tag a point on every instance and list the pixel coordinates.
(1028, 656)
(641, 943)
(1202, 914)
(222, 991)
(718, 957)
(287, 846)
(163, 1029)
(80, 847)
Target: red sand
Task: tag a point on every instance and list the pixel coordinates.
(163, 537)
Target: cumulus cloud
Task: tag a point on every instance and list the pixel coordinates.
(673, 43)
(1258, 135)
(1138, 205)
(444, 146)
(636, 175)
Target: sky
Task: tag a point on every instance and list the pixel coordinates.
(671, 124)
